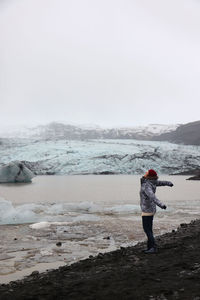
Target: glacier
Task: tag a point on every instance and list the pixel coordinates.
(99, 156)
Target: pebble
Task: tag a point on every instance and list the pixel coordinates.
(176, 295)
(161, 297)
(196, 266)
(34, 273)
(100, 255)
(59, 244)
(183, 225)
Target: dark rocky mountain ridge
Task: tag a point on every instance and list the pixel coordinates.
(187, 134)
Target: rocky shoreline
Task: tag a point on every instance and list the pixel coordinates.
(128, 273)
(196, 177)
(194, 172)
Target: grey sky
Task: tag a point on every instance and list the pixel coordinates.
(109, 62)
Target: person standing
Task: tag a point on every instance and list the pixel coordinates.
(148, 202)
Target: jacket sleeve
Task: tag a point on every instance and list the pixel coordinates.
(151, 195)
(164, 183)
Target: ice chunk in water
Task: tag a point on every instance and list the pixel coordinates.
(16, 215)
(40, 225)
(15, 172)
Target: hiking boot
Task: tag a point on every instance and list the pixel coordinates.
(151, 251)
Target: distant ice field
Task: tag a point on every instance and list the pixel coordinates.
(65, 157)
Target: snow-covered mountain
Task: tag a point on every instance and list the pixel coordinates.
(57, 131)
(150, 130)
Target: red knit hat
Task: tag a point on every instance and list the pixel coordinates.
(152, 173)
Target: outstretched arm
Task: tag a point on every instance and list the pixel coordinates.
(164, 183)
(151, 195)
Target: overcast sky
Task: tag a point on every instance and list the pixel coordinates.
(108, 62)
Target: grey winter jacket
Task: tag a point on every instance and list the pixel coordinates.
(148, 199)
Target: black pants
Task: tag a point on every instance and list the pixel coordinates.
(147, 222)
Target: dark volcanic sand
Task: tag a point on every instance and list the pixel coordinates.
(173, 273)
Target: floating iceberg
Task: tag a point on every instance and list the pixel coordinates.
(15, 172)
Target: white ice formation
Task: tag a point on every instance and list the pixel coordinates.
(103, 156)
(15, 172)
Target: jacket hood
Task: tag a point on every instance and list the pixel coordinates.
(153, 180)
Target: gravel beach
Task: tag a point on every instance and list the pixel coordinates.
(128, 273)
